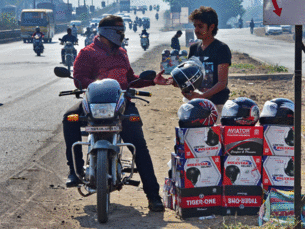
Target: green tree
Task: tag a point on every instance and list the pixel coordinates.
(224, 8)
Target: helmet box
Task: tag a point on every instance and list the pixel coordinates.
(242, 170)
(278, 171)
(198, 142)
(198, 172)
(242, 140)
(195, 202)
(278, 140)
(241, 200)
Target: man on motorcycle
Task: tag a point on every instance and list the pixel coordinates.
(88, 32)
(74, 31)
(68, 37)
(106, 59)
(144, 32)
(38, 32)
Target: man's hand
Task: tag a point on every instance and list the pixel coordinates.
(160, 80)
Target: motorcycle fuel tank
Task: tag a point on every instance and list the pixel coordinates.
(103, 91)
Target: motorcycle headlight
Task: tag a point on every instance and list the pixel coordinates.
(105, 110)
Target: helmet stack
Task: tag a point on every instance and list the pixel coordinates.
(195, 175)
(171, 59)
(248, 153)
(277, 119)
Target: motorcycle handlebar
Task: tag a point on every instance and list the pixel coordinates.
(76, 92)
(143, 93)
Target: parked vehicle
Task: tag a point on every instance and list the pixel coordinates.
(106, 166)
(273, 30)
(37, 44)
(30, 18)
(286, 28)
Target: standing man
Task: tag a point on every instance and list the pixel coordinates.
(74, 31)
(214, 55)
(252, 26)
(102, 59)
(175, 41)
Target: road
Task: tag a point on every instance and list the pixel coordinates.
(274, 52)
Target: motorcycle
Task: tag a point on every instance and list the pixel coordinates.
(105, 166)
(135, 28)
(144, 41)
(37, 44)
(69, 53)
(157, 16)
(125, 43)
(88, 40)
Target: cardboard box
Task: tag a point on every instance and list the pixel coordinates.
(242, 140)
(197, 202)
(278, 171)
(241, 200)
(278, 140)
(198, 172)
(242, 170)
(199, 142)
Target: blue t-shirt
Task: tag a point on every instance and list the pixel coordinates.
(215, 54)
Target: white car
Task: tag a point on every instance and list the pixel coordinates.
(287, 28)
(273, 29)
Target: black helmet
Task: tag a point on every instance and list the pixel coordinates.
(240, 112)
(188, 76)
(166, 52)
(277, 111)
(182, 53)
(289, 170)
(175, 52)
(37, 29)
(289, 138)
(197, 113)
(213, 138)
(192, 174)
(232, 172)
(88, 28)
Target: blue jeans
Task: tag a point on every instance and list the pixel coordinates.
(132, 133)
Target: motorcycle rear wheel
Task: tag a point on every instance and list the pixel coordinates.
(102, 186)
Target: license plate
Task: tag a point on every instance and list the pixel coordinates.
(102, 128)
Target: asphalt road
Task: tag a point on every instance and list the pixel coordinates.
(271, 51)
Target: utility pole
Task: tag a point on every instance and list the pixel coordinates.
(34, 5)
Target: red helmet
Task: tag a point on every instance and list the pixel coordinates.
(197, 113)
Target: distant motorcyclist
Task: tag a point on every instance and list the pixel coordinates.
(74, 30)
(88, 32)
(94, 33)
(72, 39)
(135, 27)
(144, 32)
(157, 16)
(39, 33)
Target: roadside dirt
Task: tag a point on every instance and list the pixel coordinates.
(54, 206)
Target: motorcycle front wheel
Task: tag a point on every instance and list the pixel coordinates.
(102, 186)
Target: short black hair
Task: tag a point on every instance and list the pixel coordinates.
(69, 30)
(179, 32)
(110, 20)
(206, 15)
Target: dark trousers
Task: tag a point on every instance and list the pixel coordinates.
(132, 133)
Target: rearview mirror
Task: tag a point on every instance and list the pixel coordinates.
(62, 72)
(148, 75)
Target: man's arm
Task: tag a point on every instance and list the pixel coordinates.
(83, 69)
